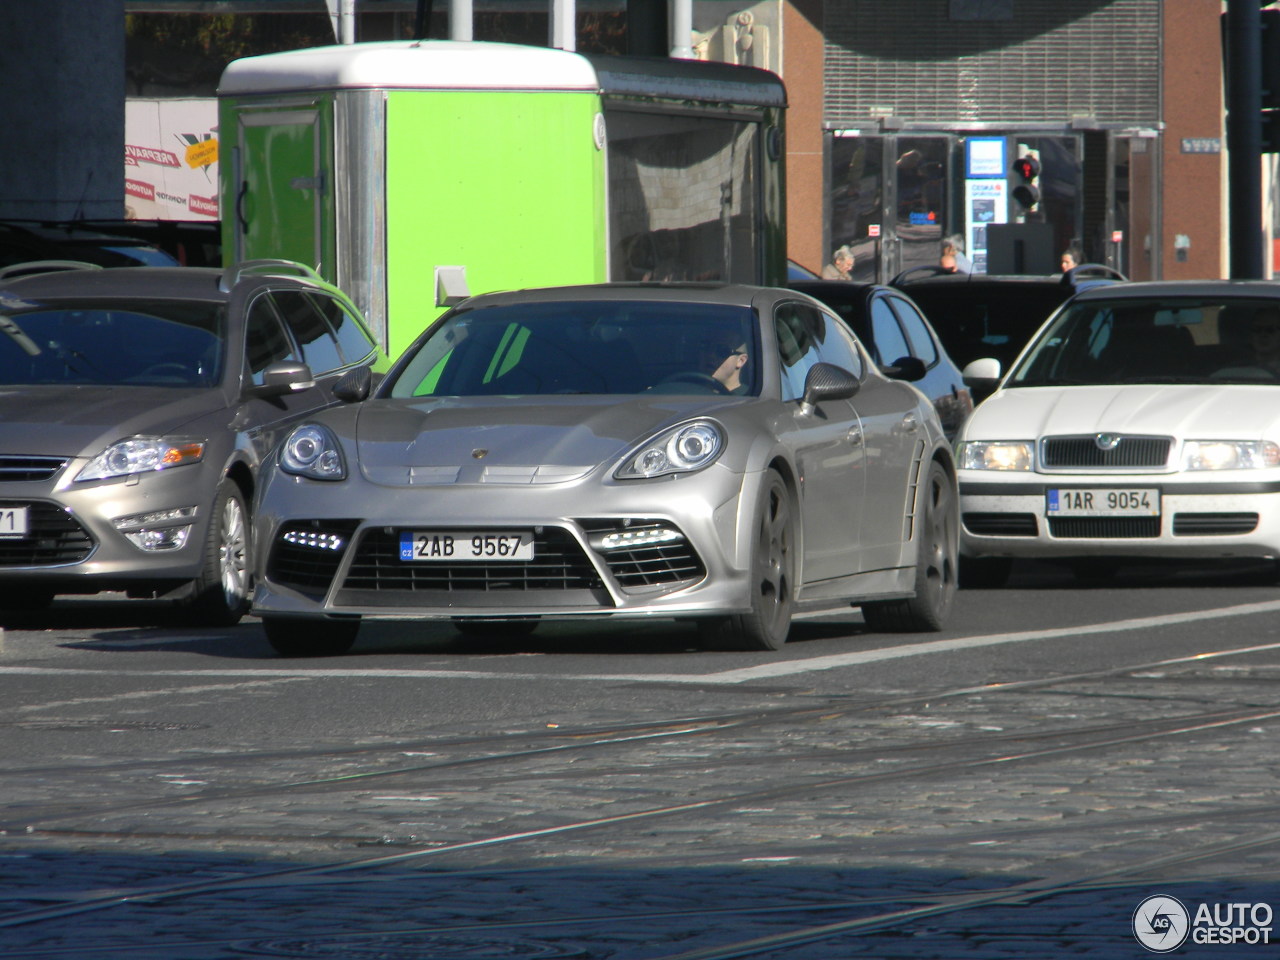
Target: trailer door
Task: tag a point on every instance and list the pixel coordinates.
(280, 185)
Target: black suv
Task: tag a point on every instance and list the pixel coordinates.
(983, 315)
(136, 405)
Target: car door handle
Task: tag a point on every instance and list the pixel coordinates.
(909, 423)
(854, 436)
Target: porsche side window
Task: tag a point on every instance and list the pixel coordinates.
(265, 339)
(797, 346)
(839, 347)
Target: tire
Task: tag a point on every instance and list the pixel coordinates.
(220, 596)
(937, 564)
(303, 637)
(773, 574)
(984, 573)
(484, 629)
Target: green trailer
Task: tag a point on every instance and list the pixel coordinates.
(410, 173)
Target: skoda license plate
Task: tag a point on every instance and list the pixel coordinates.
(13, 522)
(455, 545)
(1103, 502)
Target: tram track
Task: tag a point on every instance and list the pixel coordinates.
(485, 750)
(904, 751)
(771, 794)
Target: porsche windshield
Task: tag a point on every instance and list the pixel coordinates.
(569, 347)
(139, 343)
(1162, 340)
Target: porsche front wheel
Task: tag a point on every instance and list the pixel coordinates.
(773, 572)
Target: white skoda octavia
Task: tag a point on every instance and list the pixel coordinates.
(1142, 421)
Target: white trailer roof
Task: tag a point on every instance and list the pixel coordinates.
(478, 65)
(420, 64)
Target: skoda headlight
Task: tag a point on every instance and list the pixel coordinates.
(1230, 455)
(141, 455)
(997, 455)
(681, 449)
(313, 451)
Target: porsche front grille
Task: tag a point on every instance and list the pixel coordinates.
(646, 564)
(559, 565)
(306, 553)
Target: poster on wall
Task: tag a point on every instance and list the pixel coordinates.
(985, 194)
(171, 159)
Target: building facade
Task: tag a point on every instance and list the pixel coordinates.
(927, 105)
(905, 124)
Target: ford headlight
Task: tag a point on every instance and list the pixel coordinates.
(1230, 455)
(313, 451)
(141, 455)
(997, 455)
(681, 449)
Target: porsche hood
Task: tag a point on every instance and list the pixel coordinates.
(531, 440)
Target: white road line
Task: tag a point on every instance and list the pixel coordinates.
(762, 671)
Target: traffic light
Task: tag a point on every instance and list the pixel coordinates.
(1271, 81)
(1026, 181)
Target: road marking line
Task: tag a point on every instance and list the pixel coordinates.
(741, 675)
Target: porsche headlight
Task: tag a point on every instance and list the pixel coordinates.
(141, 455)
(682, 449)
(1230, 455)
(997, 455)
(313, 451)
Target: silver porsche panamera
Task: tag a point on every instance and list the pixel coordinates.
(722, 453)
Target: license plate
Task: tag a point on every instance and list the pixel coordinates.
(455, 545)
(13, 522)
(1103, 502)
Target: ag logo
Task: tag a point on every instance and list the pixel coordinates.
(1161, 924)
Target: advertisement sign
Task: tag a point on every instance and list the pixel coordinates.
(985, 202)
(171, 159)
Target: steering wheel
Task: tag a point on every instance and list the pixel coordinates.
(698, 379)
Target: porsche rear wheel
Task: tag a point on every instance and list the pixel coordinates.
(937, 564)
(302, 637)
(773, 572)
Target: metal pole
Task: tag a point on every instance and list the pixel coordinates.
(460, 20)
(1244, 138)
(564, 27)
(342, 14)
(682, 29)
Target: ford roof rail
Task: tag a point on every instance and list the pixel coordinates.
(33, 267)
(265, 267)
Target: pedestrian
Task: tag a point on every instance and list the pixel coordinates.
(841, 265)
(1071, 258)
(953, 258)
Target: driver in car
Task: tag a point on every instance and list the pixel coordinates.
(725, 361)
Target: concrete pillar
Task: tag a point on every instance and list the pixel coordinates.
(62, 109)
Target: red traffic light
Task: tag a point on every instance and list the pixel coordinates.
(1028, 167)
